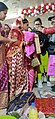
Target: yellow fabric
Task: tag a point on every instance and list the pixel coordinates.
(39, 76)
(44, 62)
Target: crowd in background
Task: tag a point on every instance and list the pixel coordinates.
(24, 56)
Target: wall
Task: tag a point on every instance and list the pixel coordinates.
(43, 17)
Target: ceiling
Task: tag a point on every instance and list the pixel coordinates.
(15, 6)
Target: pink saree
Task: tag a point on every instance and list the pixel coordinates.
(3, 78)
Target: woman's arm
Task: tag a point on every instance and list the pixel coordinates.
(3, 39)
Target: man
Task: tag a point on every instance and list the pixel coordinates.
(52, 19)
(51, 47)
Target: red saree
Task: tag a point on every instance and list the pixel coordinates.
(15, 59)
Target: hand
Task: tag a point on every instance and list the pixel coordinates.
(36, 35)
(10, 34)
(40, 29)
(41, 45)
(27, 43)
(21, 44)
(54, 49)
(13, 40)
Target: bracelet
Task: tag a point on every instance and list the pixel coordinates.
(26, 43)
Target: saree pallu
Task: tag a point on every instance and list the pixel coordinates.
(30, 79)
(30, 73)
(17, 74)
(3, 86)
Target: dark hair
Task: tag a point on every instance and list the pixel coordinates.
(24, 21)
(7, 26)
(38, 19)
(3, 7)
(0, 25)
(50, 18)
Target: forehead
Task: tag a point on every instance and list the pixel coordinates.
(6, 27)
(37, 22)
(4, 12)
(25, 24)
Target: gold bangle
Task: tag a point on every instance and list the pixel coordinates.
(26, 43)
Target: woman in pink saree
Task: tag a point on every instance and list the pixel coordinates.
(3, 63)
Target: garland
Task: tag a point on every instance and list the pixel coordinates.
(39, 10)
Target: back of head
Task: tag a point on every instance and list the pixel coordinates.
(3, 7)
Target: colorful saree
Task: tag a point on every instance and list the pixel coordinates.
(17, 71)
(3, 78)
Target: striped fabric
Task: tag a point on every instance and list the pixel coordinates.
(30, 79)
(17, 75)
(3, 86)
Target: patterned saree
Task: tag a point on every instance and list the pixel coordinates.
(17, 71)
(3, 78)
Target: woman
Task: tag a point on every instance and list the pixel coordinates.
(29, 53)
(51, 45)
(15, 59)
(3, 63)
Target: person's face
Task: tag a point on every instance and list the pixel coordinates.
(25, 26)
(3, 15)
(6, 28)
(37, 25)
(53, 21)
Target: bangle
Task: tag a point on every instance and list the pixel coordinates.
(26, 43)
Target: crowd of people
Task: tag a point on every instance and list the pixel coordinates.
(24, 54)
